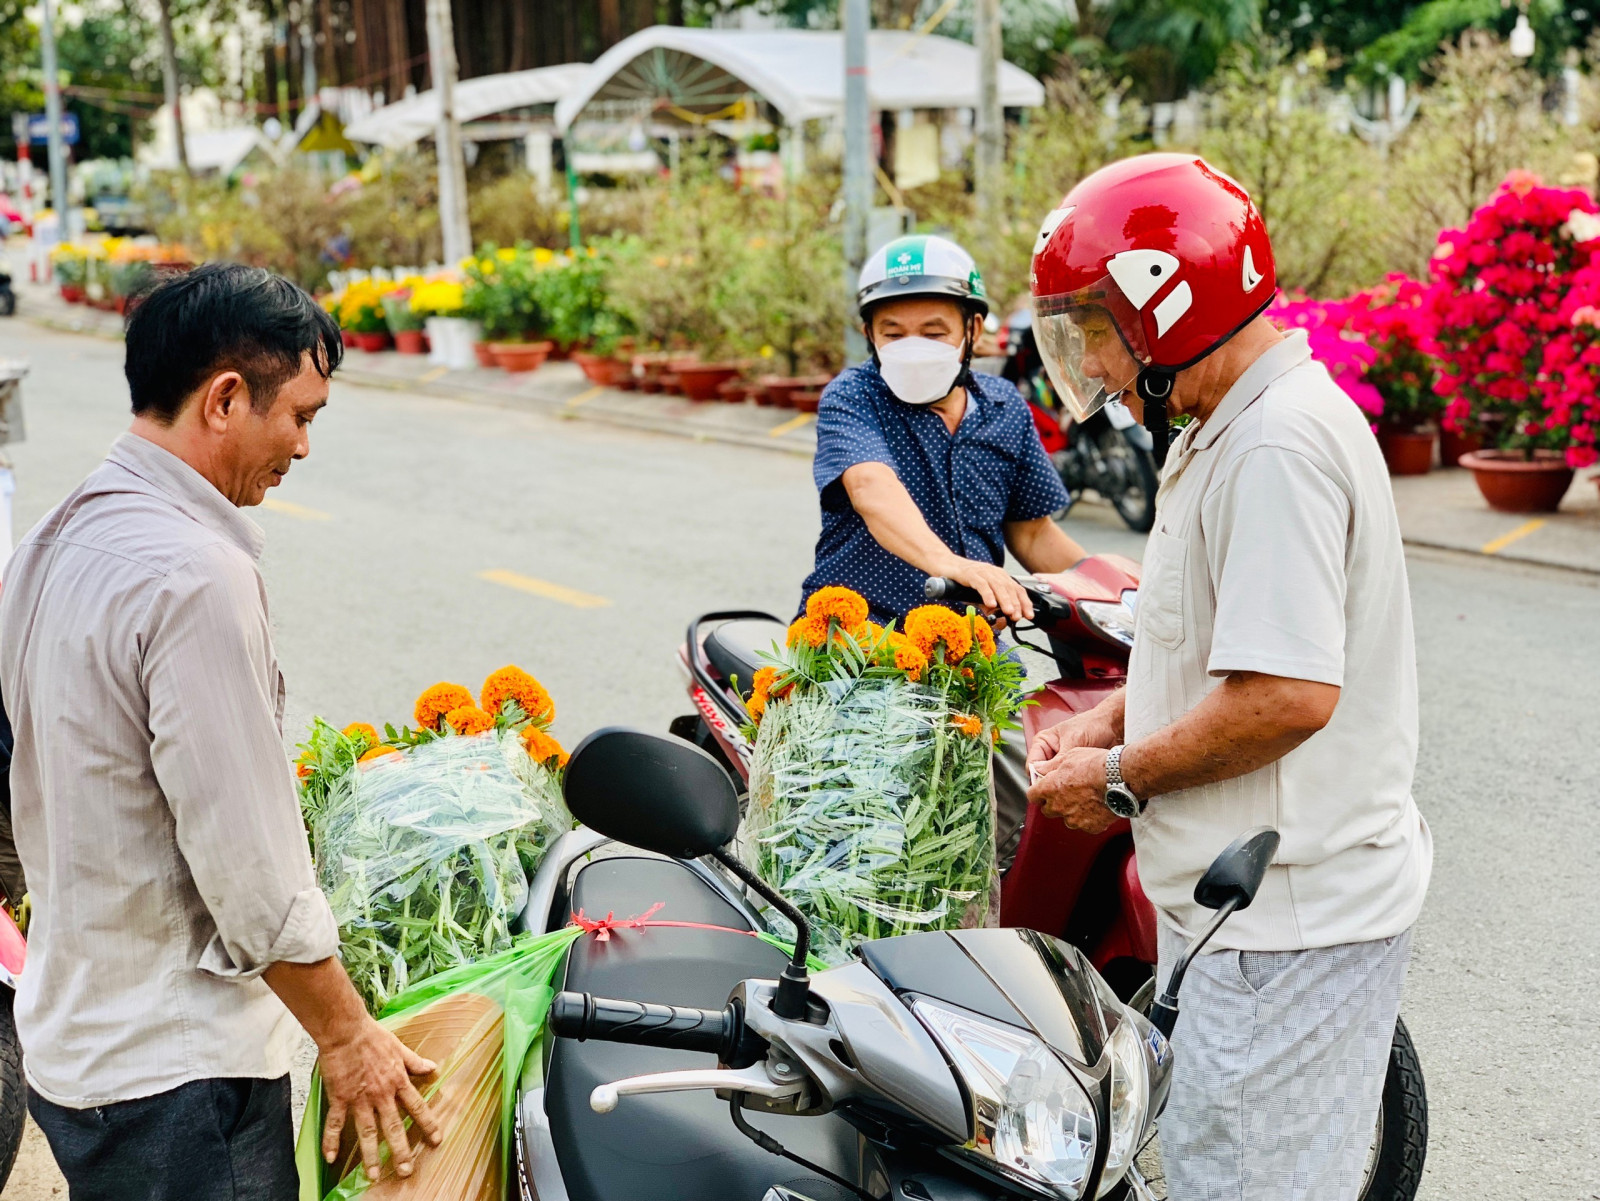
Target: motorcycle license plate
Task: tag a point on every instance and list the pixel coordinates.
(1118, 414)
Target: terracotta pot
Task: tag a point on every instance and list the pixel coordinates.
(700, 381)
(1407, 452)
(484, 355)
(348, 338)
(72, 293)
(647, 371)
(1453, 445)
(1514, 484)
(599, 368)
(121, 305)
(520, 356)
(736, 391)
(805, 400)
(781, 388)
(672, 377)
(371, 343)
(410, 341)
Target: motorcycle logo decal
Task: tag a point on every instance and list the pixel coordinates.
(1252, 277)
(1052, 222)
(1141, 274)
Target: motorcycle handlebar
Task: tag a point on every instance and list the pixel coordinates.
(718, 1032)
(938, 587)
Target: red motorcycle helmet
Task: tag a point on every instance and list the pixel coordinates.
(1164, 251)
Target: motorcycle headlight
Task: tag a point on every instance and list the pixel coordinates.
(1032, 1119)
(1130, 1101)
(1110, 619)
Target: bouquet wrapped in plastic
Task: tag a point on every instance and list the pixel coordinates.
(425, 841)
(871, 802)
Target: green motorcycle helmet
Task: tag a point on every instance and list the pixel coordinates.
(920, 265)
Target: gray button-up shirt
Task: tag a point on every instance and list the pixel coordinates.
(154, 806)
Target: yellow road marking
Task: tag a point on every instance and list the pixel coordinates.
(555, 592)
(289, 509)
(583, 398)
(793, 423)
(427, 377)
(1505, 540)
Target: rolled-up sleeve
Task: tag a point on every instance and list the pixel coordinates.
(217, 751)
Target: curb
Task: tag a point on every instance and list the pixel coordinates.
(1468, 552)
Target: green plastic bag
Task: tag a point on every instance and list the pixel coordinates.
(500, 1004)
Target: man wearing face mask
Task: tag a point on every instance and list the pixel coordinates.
(927, 468)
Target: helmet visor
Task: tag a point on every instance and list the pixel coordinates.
(1092, 345)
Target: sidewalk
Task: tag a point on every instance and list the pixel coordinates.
(1442, 509)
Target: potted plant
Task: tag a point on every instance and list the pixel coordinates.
(1505, 329)
(580, 315)
(440, 304)
(511, 314)
(71, 265)
(405, 324)
(361, 312)
(1391, 320)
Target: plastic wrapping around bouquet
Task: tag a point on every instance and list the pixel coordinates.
(872, 812)
(426, 856)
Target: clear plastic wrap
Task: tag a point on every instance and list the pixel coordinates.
(871, 810)
(425, 856)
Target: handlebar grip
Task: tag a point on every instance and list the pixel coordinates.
(582, 1016)
(939, 587)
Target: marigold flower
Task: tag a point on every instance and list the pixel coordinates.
(435, 702)
(512, 683)
(929, 625)
(360, 731)
(994, 736)
(302, 770)
(911, 661)
(469, 719)
(765, 678)
(542, 748)
(983, 635)
(378, 752)
(846, 606)
(813, 631)
(968, 724)
(756, 706)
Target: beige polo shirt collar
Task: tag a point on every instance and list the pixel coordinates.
(187, 490)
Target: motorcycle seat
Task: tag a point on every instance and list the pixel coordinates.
(735, 649)
(669, 1146)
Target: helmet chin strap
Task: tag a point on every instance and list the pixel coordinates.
(1154, 386)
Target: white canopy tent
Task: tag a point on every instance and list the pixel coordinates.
(692, 74)
(417, 117)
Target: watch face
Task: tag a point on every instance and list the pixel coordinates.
(1121, 801)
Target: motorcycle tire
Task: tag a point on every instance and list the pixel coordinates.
(13, 1090)
(1135, 498)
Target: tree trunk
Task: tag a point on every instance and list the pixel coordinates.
(169, 76)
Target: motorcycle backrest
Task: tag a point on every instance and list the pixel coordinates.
(1236, 874)
(653, 791)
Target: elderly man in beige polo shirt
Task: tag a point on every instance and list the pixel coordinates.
(1272, 682)
(177, 924)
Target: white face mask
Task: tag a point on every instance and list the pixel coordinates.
(919, 371)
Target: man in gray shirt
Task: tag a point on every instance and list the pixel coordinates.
(178, 931)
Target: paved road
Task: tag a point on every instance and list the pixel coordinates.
(377, 547)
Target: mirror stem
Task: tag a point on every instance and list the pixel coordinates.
(794, 984)
(1164, 1013)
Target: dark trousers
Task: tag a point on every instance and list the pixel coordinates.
(208, 1140)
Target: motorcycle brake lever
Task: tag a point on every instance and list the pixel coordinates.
(753, 1080)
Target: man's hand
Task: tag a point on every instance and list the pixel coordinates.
(366, 1078)
(1091, 729)
(994, 584)
(1075, 790)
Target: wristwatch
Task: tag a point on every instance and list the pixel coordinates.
(1119, 797)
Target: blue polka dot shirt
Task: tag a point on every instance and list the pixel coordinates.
(968, 484)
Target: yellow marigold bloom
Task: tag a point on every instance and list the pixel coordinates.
(911, 661)
(994, 736)
(435, 702)
(929, 625)
(514, 684)
(813, 631)
(360, 731)
(967, 724)
(845, 605)
(469, 719)
(378, 752)
(983, 635)
(542, 748)
(543, 255)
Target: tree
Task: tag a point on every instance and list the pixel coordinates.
(20, 79)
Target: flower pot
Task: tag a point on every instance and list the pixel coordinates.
(451, 341)
(598, 368)
(805, 400)
(520, 356)
(121, 305)
(1453, 445)
(484, 355)
(1407, 452)
(1514, 484)
(781, 388)
(372, 343)
(647, 371)
(672, 377)
(700, 381)
(72, 293)
(348, 338)
(737, 391)
(409, 341)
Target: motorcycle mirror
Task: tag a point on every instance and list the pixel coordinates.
(652, 791)
(1236, 874)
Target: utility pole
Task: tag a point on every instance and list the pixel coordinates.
(52, 117)
(453, 225)
(169, 80)
(857, 163)
(988, 162)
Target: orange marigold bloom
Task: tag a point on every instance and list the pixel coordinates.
(847, 606)
(514, 684)
(542, 748)
(469, 719)
(911, 661)
(983, 635)
(358, 731)
(929, 625)
(765, 678)
(378, 752)
(302, 770)
(435, 702)
(813, 631)
(756, 706)
(967, 724)
(994, 736)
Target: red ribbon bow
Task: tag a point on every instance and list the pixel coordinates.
(602, 927)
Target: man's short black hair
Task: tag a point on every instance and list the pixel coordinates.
(223, 317)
